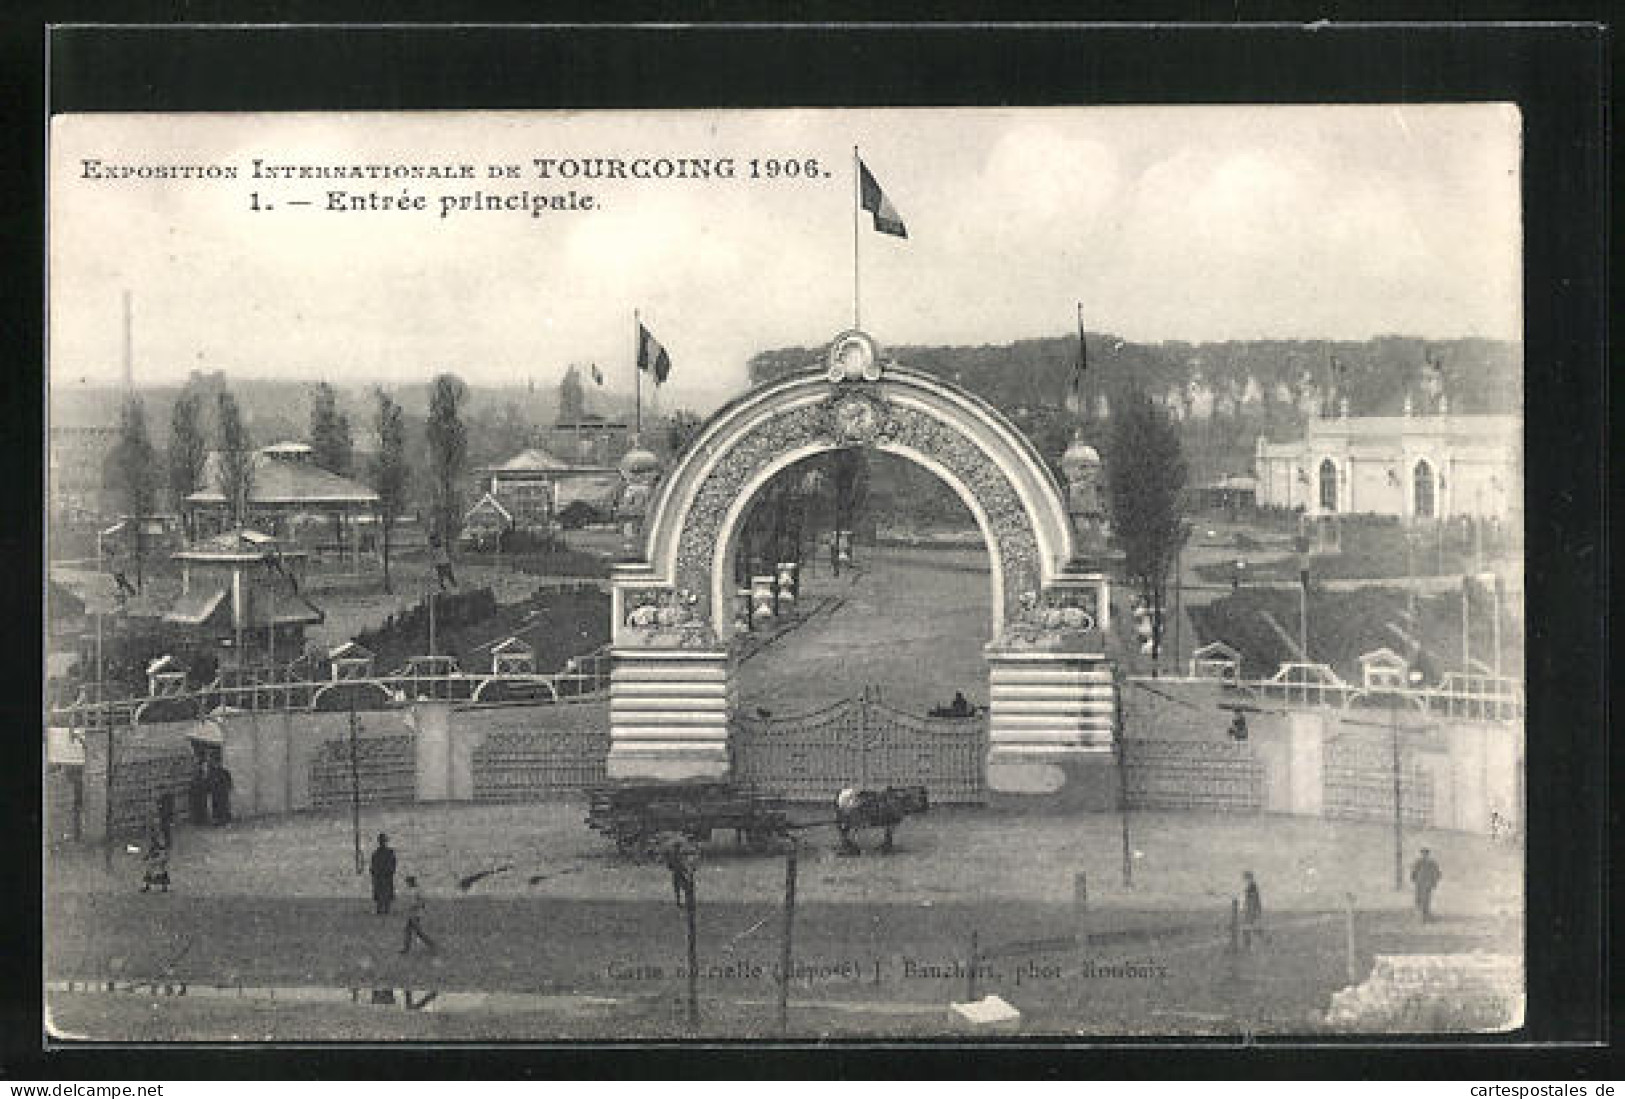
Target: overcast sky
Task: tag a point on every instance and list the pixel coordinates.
(1191, 223)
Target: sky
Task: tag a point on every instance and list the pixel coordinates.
(1165, 223)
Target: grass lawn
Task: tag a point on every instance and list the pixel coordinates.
(1345, 624)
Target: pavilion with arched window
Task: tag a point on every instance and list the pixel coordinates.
(1422, 490)
(1328, 485)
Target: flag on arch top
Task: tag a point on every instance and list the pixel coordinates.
(873, 199)
(652, 357)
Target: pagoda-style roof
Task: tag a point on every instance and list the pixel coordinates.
(196, 606)
(513, 645)
(283, 478)
(266, 607)
(350, 650)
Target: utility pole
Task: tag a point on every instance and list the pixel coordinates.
(786, 952)
(107, 779)
(1466, 645)
(1122, 774)
(432, 594)
(1399, 808)
(693, 955)
(355, 783)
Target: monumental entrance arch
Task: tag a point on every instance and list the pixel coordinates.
(1050, 693)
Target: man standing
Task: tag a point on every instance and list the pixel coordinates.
(1425, 875)
(166, 817)
(680, 857)
(383, 876)
(1252, 911)
(415, 909)
(220, 792)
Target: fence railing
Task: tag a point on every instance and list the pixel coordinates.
(1458, 695)
(287, 689)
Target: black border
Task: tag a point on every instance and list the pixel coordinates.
(1557, 74)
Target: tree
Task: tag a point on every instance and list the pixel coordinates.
(188, 454)
(1145, 473)
(132, 476)
(572, 397)
(329, 431)
(236, 457)
(448, 456)
(389, 469)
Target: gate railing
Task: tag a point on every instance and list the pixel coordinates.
(865, 743)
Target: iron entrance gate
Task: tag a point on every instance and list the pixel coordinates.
(864, 743)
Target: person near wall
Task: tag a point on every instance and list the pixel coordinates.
(220, 793)
(383, 876)
(197, 793)
(1425, 875)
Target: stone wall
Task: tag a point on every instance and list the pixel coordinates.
(1460, 776)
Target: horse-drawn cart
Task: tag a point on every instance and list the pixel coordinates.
(634, 813)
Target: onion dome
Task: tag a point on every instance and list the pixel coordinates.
(639, 464)
(1079, 455)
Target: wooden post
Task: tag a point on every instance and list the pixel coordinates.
(970, 974)
(786, 953)
(1399, 807)
(107, 808)
(355, 785)
(1348, 928)
(1122, 774)
(693, 956)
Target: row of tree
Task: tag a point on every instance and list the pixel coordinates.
(136, 474)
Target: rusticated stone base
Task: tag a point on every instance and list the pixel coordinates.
(668, 713)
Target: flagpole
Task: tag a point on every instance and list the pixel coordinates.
(857, 204)
(637, 377)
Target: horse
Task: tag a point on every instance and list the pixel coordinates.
(886, 809)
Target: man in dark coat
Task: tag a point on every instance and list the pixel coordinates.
(220, 793)
(166, 817)
(383, 876)
(197, 793)
(1252, 911)
(1425, 875)
(681, 857)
